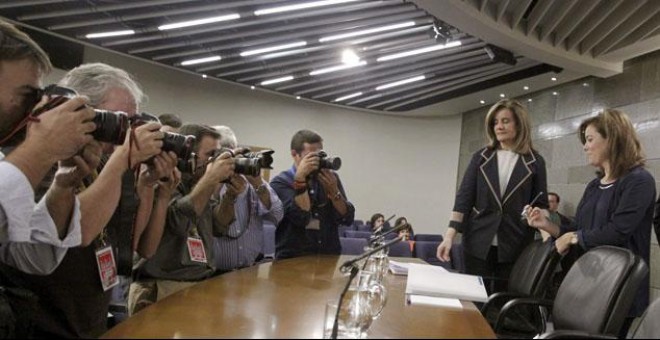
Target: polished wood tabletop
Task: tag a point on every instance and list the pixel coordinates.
(286, 299)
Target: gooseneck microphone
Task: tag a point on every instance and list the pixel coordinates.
(380, 236)
(346, 266)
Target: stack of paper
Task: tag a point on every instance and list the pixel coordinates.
(434, 301)
(435, 281)
(398, 268)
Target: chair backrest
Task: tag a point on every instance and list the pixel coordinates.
(427, 251)
(457, 257)
(352, 246)
(649, 327)
(400, 249)
(358, 234)
(428, 237)
(534, 269)
(598, 290)
(357, 223)
(364, 227)
(269, 240)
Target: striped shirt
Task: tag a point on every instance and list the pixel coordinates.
(245, 235)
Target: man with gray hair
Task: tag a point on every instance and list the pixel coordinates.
(245, 202)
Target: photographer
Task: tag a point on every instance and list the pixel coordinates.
(185, 254)
(74, 299)
(314, 200)
(34, 238)
(245, 201)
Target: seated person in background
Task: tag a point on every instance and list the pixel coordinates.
(406, 232)
(377, 221)
(617, 206)
(315, 204)
(185, 255)
(245, 201)
(171, 122)
(34, 238)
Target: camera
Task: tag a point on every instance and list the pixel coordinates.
(181, 145)
(111, 126)
(249, 163)
(327, 162)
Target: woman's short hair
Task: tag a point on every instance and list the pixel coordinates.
(624, 150)
(523, 142)
(375, 217)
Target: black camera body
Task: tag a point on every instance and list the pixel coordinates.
(249, 163)
(111, 126)
(181, 145)
(327, 162)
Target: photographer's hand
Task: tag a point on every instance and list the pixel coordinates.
(221, 168)
(236, 185)
(307, 165)
(58, 135)
(329, 182)
(161, 167)
(71, 172)
(147, 142)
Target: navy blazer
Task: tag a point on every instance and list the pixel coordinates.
(487, 213)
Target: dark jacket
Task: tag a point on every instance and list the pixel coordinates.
(488, 213)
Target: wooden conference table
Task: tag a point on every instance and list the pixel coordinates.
(286, 299)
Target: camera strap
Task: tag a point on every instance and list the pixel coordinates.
(31, 117)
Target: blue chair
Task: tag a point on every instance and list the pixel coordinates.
(457, 258)
(269, 240)
(400, 249)
(427, 250)
(358, 234)
(428, 237)
(364, 227)
(352, 246)
(342, 230)
(357, 223)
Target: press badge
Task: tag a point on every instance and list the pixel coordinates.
(196, 250)
(105, 261)
(314, 224)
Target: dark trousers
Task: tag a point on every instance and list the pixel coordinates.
(494, 273)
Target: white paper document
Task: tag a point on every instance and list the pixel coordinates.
(434, 301)
(398, 268)
(435, 281)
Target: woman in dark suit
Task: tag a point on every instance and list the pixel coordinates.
(501, 179)
(616, 207)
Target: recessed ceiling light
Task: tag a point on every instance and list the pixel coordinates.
(553, 79)
(200, 60)
(367, 31)
(482, 102)
(349, 57)
(272, 48)
(419, 51)
(585, 84)
(204, 76)
(400, 82)
(352, 95)
(502, 95)
(289, 8)
(199, 22)
(252, 87)
(529, 100)
(276, 80)
(336, 68)
(525, 88)
(555, 93)
(109, 34)
(297, 97)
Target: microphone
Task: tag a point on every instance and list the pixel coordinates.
(346, 266)
(380, 236)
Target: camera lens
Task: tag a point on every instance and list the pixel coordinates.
(111, 127)
(181, 145)
(247, 166)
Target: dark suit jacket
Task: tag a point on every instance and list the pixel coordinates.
(488, 213)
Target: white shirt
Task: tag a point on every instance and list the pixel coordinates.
(28, 237)
(506, 161)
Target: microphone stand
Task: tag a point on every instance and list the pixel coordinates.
(381, 236)
(354, 270)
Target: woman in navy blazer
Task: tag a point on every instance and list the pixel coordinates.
(616, 207)
(501, 179)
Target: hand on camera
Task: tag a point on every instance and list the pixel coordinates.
(236, 185)
(308, 164)
(161, 167)
(166, 188)
(255, 181)
(63, 130)
(148, 141)
(221, 168)
(329, 181)
(71, 172)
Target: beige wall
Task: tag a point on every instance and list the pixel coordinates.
(392, 165)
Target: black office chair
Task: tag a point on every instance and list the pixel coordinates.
(530, 277)
(595, 296)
